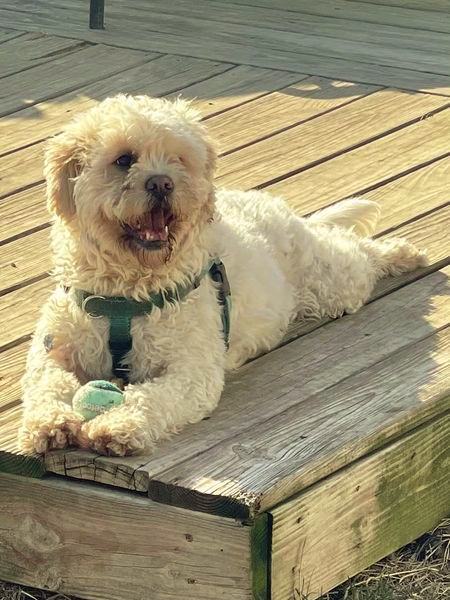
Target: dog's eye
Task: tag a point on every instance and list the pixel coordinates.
(125, 161)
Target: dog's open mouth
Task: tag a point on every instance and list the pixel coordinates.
(150, 230)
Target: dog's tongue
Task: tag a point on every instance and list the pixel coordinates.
(153, 227)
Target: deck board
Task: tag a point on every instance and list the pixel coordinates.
(367, 56)
(315, 102)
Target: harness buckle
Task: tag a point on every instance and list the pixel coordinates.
(86, 300)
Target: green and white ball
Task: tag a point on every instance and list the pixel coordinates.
(96, 398)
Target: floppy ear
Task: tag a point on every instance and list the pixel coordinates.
(211, 156)
(61, 165)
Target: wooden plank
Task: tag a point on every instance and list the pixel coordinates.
(11, 458)
(280, 110)
(361, 514)
(264, 32)
(269, 462)
(21, 169)
(157, 77)
(22, 212)
(12, 366)
(274, 17)
(368, 13)
(25, 260)
(33, 49)
(9, 34)
(306, 367)
(323, 138)
(263, 47)
(425, 189)
(19, 310)
(368, 166)
(433, 5)
(125, 546)
(236, 87)
(50, 79)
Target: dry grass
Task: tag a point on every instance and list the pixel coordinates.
(419, 571)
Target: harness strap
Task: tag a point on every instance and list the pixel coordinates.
(121, 310)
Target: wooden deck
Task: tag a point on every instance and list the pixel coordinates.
(331, 451)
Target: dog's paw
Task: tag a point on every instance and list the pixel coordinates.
(49, 430)
(118, 432)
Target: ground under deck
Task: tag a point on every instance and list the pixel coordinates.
(322, 448)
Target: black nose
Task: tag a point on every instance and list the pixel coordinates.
(159, 186)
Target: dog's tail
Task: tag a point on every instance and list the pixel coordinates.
(356, 214)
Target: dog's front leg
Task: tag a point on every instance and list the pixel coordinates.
(48, 388)
(153, 410)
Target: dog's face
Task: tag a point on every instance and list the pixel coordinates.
(136, 174)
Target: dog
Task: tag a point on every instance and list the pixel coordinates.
(136, 216)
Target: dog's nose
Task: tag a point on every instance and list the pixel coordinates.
(159, 185)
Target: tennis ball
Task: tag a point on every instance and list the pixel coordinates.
(96, 398)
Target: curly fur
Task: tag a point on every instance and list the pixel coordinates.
(280, 266)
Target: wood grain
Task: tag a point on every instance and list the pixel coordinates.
(242, 43)
(33, 49)
(331, 26)
(368, 166)
(125, 546)
(235, 87)
(11, 459)
(269, 462)
(50, 79)
(22, 212)
(323, 138)
(361, 514)
(280, 110)
(273, 383)
(24, 260)
(157, 77)
(12, 366)
(19, 311)
(366, 13)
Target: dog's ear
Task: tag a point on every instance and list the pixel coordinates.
(211, 156)
(61, 165)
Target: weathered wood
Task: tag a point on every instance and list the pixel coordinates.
(235, 87)
(332, 26)
(218, 90)
(275, 382)
(22, 212)
(357, 516)
(24, 261)
(21, 169)
(125, 546)
(261, 542)
(366, 13)
(323, 138)
(163, 75)
(33, 49)
(266, 47)
(12, 366)
(19, 310)
(50, 79)
(368, 166)
(269, 462)
(280, 110)
(11, 458)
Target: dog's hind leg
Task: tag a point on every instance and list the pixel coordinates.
(393, 256)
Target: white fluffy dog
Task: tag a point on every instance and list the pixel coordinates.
(130, 184)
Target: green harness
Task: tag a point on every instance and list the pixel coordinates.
(120, 311)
